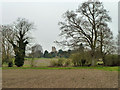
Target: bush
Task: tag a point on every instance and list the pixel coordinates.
(5, 60)
(10, 64)
(54, 63)
(67, 62)
(60, 62)
(111, 60)
(81, 59)
(76, 59)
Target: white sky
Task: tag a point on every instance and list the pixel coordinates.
(46, 16)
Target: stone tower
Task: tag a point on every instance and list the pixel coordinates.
(53, 49)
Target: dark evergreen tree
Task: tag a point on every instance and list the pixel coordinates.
(60, 53)
(46, 54)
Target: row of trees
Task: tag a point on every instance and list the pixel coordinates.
(37, 52)
(60, 53)
(86, 27)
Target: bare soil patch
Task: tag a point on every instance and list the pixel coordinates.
(73, 78)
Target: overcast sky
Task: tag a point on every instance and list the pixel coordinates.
(46, 16)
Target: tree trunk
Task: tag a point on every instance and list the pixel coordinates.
(93, 57)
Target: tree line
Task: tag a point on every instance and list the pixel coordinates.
(86, 27)
(38, 53)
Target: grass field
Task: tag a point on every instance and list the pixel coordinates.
(41, 58)
(99, 68)
(44, 63)
(36, 61)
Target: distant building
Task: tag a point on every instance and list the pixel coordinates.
(54, 49)
(37, 47)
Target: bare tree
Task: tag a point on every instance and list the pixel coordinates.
(37, 50)
(7, 50)
(18, 38)
(82, 25)
(106, 43)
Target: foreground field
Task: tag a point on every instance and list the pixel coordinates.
(61, 78)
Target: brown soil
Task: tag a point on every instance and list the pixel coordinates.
(74, 78)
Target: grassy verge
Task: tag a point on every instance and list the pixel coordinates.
(99, 68)
(41, 58)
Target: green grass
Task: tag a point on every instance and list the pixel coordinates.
(41, 59)
(99, 68)
(26, 66)
(31, 58)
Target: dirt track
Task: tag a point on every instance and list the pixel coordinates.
(74, 78)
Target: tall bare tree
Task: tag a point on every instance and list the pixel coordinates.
(82, 25)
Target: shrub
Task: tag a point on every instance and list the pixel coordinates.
(54, 63)
(76, 59)
(67, 62)
(10, 64)
(111, 60)
(81, 59)
(5, 60)
(60, 62)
